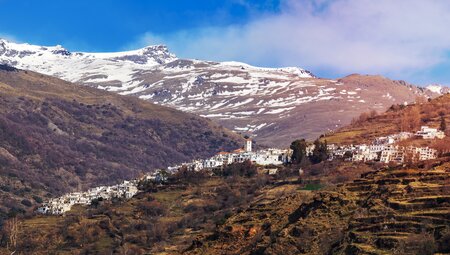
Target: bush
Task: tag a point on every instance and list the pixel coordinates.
(38, 199)
(444, 241)
(152, 208)
(247, 169)
(26, 203)
(420, 244)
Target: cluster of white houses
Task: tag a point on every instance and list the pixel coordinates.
(128, 189)
(263, 157)
(385, 150)
(62, 204)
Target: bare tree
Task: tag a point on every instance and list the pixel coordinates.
(410, 119)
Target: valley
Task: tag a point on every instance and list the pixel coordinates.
(239, 127)
(330, 207)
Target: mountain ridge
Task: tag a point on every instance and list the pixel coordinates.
(272, 105)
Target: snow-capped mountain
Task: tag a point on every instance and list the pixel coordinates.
(80, 66)
(275, 105)
(438, 89)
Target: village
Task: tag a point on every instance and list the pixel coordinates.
(128, 189)
(264, 157)
(382, 149)
(386, 149)
(60, 205)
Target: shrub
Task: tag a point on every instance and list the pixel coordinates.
(38, 199)
(26, 203)
(420, 244)
(152, 208)
(247, 169)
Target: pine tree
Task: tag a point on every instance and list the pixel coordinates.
(443, 125)
(320, 152)
(298, 151)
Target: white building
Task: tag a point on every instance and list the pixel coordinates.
(366, 152)
(248, 145)
(430, 133)
(391, 139)
(391, 153)
(377, 147)
(310, 149)
(365, 156)
(62, 204)
(423, 153)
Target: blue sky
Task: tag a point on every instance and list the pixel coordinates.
(405, 39)
(110, 25)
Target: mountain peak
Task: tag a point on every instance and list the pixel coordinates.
(161, 47)
(438, 89)
(265, 102)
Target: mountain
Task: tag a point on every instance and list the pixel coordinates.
(396, 119)
(56, 137)
(438, 89)
(274, 105)
(334, 207)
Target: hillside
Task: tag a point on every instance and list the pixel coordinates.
(404, 211)
(56, 137)
(165, 219)
(385, 211)
(366, 128)
(275, 105)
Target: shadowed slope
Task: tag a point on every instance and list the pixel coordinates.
(57, 137)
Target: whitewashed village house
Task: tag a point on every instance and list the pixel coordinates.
(430, 133)
(62, 204)
(385, 150)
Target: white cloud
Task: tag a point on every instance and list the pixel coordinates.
(342, 36)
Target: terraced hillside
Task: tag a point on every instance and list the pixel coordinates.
(387, 211)
(404, 207)
(402, 211)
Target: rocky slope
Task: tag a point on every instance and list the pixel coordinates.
(56, 137)
(276, 105)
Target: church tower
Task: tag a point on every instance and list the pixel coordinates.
(248, 145)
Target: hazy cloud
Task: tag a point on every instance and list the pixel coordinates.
(9, 38)
(341, 36)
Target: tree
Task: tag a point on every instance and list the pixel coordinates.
(348, 154)
(410, 119)
(441, 145)
(320, 152)
(246, 168)
(298, 148)
(410, 156)
(95, 202)
(443, 125)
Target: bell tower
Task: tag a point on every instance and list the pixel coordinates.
(248, 145)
